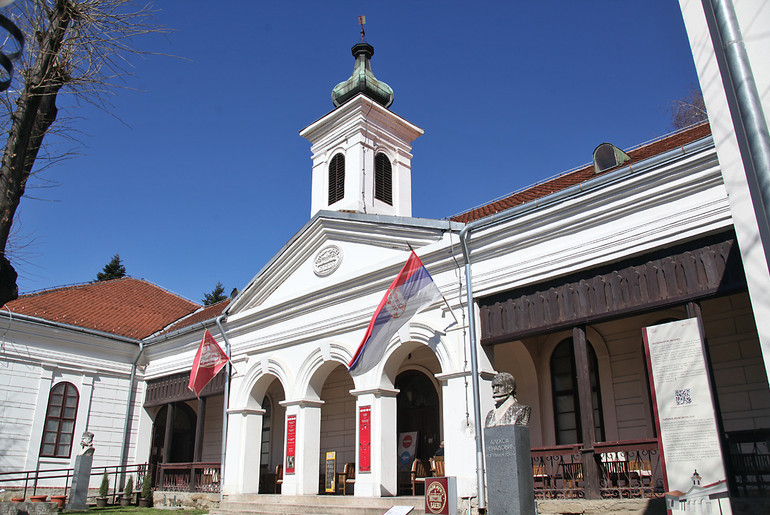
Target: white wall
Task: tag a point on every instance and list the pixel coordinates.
(752, 17)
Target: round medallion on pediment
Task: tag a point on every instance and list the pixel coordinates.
(327, 261)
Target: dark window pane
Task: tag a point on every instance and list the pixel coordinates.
(60, 423)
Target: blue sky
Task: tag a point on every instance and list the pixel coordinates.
(199, 174)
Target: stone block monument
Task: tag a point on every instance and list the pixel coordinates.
(510, 488)
(81, 477)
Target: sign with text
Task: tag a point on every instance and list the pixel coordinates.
(691, 457)
(331, 471)
(291, 442)
(365, 439)
(441, 495)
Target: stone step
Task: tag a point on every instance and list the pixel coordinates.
(314, 505)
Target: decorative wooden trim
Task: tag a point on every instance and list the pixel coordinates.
(174, 389)
(707, 267)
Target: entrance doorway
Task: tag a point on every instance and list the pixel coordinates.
(418, 411)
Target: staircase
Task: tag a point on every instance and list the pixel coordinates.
(314, 505)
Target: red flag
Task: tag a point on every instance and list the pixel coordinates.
(208, 361)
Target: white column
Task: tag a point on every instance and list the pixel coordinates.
(459, 436)
(381, 481)
(304, 480)
(244, 440)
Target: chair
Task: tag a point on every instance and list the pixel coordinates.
(347, 477)
(418, 475)
(572, 473)
(540, 477)
(437, 466)
(278, 478)
(640, 470)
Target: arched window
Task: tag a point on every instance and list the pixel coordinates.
(336, 179)
(383, 179)
(60, 421)
(566, 403)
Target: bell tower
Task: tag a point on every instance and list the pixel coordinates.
(361, 151)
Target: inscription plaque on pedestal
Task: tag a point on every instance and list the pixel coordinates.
(80, 479)
(510, 488)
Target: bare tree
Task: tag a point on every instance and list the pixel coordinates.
(74, 46)
(689, 110)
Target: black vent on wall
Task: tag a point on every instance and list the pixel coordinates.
(383, 179)
(336, 179)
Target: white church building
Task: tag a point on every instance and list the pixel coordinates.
(565, 277)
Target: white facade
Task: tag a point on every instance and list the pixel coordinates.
(294, 328)
(36, 357)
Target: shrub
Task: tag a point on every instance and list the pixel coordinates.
(104, 488)
(147, 485)
(129, 490)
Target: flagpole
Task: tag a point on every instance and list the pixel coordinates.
(225, 405)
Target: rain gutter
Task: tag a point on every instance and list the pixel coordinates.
(745, 106)
(509, 214)
(93, 332)
(225, 404)
(126, 425)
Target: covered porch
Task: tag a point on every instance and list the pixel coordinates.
(576, 349)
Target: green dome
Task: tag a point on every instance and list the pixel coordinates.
(362, 80)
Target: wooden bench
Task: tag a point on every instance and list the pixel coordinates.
(347, 477)
(437, 466)
(278, 478)
(418, 475)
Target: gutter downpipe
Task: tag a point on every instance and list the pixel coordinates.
(481, 489)
(129, 405)
(226, 404)
(746, 108)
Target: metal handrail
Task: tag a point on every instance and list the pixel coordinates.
(34, 476)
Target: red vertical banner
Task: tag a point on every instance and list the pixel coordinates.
(291, 442)
(365, 439)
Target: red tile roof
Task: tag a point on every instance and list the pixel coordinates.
(125, 307)
(204, 314)
(562, 182)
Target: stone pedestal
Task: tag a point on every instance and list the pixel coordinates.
(510, 488)
(80, 479)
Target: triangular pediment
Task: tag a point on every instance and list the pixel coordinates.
(335, 253)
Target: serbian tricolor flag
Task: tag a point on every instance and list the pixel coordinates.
(412, 290)
(208, 361)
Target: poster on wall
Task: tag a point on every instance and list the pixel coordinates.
(291, 442)
(407, 446)
(365, 439)
(691, 458)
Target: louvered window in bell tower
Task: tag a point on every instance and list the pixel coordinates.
(383, 179)
(336, 179)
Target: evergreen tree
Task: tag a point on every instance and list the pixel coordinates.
(217, 295)
(112, 270)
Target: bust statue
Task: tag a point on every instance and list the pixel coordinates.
(87, 442)
(508, 410)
